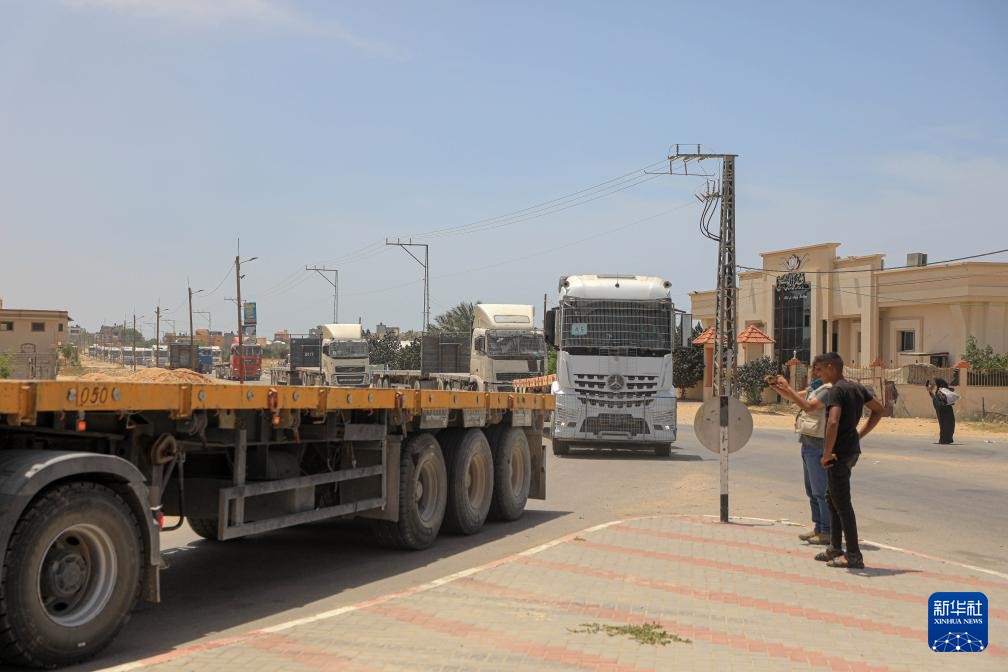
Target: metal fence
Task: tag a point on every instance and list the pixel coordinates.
(603, 323)
(989, 378)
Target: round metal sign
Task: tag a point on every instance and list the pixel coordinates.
(707, 425)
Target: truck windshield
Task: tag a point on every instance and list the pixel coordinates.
(515, 344)
(347, 349)
(636, 328)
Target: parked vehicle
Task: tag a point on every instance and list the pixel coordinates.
(90, 470)
(614, 336)
(238, 368)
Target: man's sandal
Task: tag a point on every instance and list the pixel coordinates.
(845, 562)
(829, 554)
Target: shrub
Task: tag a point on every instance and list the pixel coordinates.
(750, 377)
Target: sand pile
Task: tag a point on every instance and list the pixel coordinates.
(151, 375)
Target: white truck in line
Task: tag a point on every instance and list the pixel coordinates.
(502, 346)
(614, 336)
(337, 356)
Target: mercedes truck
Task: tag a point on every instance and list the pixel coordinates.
(614, 336)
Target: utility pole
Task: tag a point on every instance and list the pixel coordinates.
(241, 330)
(335, 285)
(157, 336)
(192, 340)
(725, 379)
(426, 268)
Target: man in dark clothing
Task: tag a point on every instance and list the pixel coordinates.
(845, 403)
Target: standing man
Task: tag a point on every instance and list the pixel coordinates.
(844, 405)
(811, 427)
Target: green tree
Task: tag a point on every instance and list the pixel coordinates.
(384, 350)
(458, 319)
(688, 363)
(6, 365)
(551, 358)
(750, 377)
(983, 360)
(70, 354)
(408, 357)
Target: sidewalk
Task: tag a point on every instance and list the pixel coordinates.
(747, 596)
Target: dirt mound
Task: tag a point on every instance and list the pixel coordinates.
(151, 375)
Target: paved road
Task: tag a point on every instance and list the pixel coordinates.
(945, 501)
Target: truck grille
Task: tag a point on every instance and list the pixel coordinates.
(614, 423)
(348, 369)
(596, 389)
(350, 380)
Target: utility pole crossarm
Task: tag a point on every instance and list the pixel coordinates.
(322, 270)
(398, 242)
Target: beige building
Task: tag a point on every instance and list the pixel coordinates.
(810, 301)
(32, 331)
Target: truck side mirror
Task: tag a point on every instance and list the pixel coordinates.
(480, 344)
(549, 327)
(685, 331)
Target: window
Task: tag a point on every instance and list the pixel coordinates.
(6, 326)
(38, 326)
(906, 341)
(61, 326)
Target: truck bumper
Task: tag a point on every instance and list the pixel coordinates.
(574, 420)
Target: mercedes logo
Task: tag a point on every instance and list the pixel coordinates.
(615, 382)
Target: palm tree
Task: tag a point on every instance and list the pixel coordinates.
(458, 319)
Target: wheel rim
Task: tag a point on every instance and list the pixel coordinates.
(517, 472)
(77, 575)
(428, 490)
(477, 480)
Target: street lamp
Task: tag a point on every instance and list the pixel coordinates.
(241, 329)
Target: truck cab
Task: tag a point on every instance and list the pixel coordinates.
(505, 346)
(345, 355)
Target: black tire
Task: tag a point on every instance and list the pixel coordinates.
(664, 450)
(561, 447)
(204, 527)
(89, 540)
(470, 483)
(512, 474)
(421, 472)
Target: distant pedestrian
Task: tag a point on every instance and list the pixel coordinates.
(940, 397)
(845, 403)
(811, 427)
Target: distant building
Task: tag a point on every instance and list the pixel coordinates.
(282, 336)
(33, 338)
(383, 329)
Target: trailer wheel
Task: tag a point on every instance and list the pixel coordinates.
(470, 483)
(423, 496)
(664, 450)
(561, 447)
(512, 474)
(71, 576)
(204, 527)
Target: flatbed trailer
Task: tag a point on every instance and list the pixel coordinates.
(91, 473)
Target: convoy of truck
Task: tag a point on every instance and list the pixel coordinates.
(614, 336)
(91, 472)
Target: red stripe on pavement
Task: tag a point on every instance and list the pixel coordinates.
(741, 642)
(306, 654)
(548, 652)
(676, 536)
(768, 573)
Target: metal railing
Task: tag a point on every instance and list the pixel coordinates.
(997, 378)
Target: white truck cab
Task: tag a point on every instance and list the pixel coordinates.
(345, 355)
(505, 345)
(614, 335)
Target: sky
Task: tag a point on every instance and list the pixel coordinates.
(141, 139)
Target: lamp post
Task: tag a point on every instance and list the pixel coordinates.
(241, 330)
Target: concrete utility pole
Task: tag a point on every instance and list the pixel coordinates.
(426, 270)
(192, 339)
(725, 379)
(335, 285)
(157, 335)
(241, 330)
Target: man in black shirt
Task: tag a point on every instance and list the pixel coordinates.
(845, 404)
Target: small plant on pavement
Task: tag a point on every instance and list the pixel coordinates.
(652, 633)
